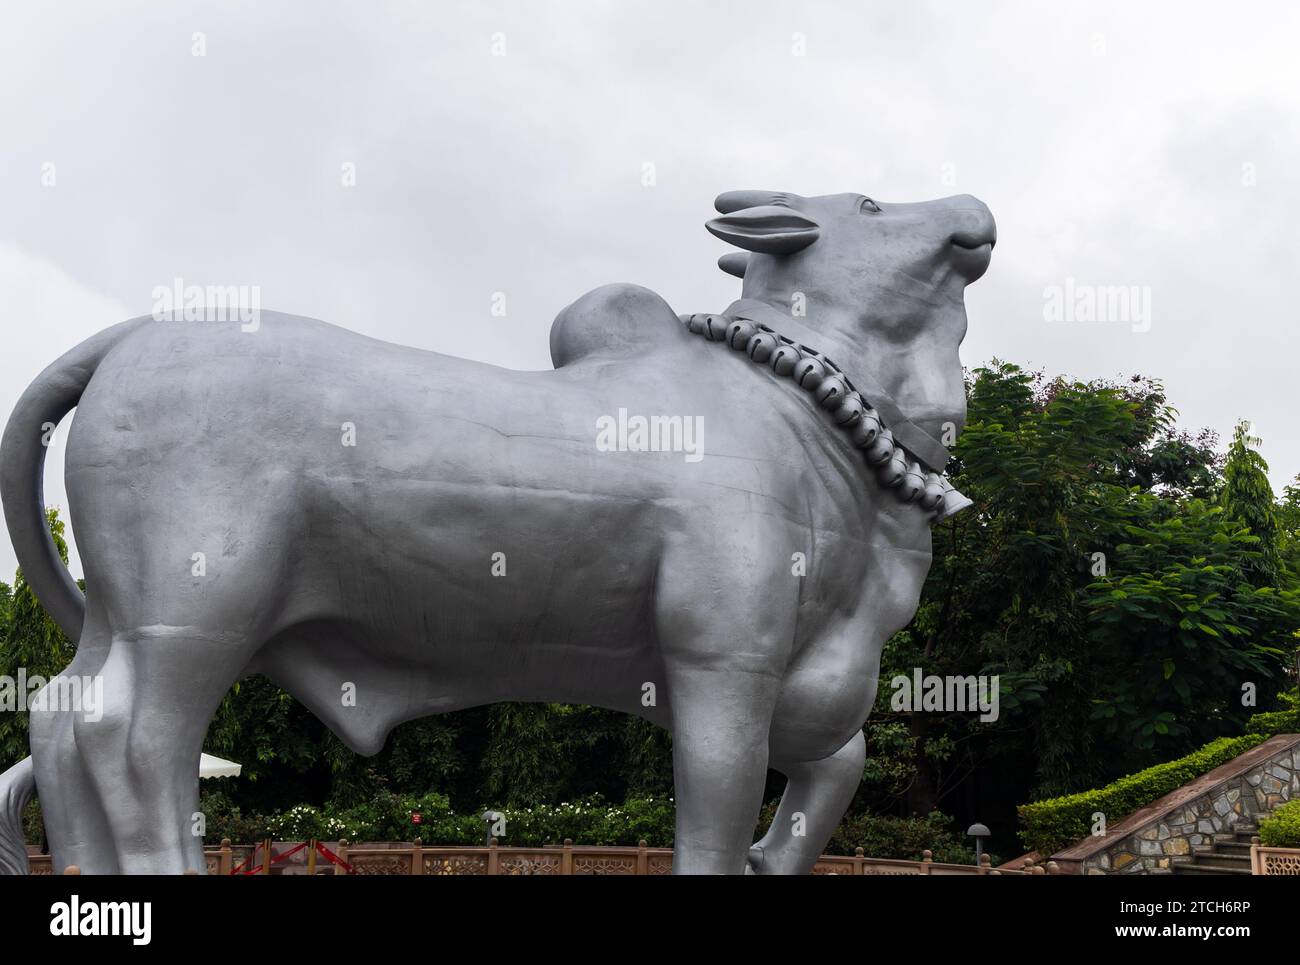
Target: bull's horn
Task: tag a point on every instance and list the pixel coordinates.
(770, 229)
(734, 263)
(730, 201)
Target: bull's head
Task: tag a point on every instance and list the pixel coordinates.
(880, 285)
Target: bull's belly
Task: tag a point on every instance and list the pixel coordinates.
(490, 594)
(362, 681)
(445, 623)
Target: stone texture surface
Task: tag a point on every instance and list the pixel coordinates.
(1240, 799)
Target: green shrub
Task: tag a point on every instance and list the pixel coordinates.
(33, 825)
(887, 836)
(1281, 829)
(224, 819)
(592, 821)
(305, 821)
(649, 819)
(390, 817)
(1050, 825)
(1284, 721)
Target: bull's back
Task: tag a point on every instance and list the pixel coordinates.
(425, 497)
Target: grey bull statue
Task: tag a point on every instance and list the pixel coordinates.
(717, 537)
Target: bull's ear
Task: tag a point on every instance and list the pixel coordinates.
(770, 229)
(734, 263)
(730, 201)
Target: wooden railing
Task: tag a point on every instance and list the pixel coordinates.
(567, 859)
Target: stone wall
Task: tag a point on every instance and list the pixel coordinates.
(1239, 792)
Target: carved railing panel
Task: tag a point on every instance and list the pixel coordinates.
(390, 863)
(1274, 861)
(455, 864)
(528, 863)
(604, 864)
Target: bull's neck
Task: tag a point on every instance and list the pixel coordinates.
(906, 458)
(833, 340)
(836, 334)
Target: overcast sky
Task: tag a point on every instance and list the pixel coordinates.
(1145, 144)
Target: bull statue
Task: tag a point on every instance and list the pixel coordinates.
(717, 537)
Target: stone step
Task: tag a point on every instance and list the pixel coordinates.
(1231, 848)
(1211, 857)
(1205, 868)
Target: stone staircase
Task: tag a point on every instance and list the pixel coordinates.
(1203, 827)
(1227, 854)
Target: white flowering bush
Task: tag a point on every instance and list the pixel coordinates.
(391, 817)
(304, 822)
(592, 821)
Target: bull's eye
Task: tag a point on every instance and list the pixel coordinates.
(869, 207)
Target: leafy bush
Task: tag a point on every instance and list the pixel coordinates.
(1281, 829)
(33, 825)
(390, 817)
(1050, 825)
(224, 819)
(592, 821)
(887, 836)
(1284, 721)
(649, 819)
(304, 821)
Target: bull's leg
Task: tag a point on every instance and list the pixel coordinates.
(724, 615)
(720, 723)
(75, 823)
(814, 802)
(161, 688)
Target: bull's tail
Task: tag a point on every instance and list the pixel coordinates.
(48, 399)
(22, 488)
(17, 785)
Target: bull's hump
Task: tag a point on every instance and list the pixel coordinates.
(613, 321)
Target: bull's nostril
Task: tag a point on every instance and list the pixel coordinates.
(974, 239)
(974, 228)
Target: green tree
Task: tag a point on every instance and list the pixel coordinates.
(31, 643)
(1097, 579)
(1248, 497)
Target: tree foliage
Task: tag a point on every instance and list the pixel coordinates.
(1109, 575)
(1248, 498)
(31, 645)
